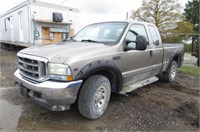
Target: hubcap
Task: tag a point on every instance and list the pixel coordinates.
(173, 72)
(100, 97)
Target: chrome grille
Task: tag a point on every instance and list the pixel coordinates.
(32, 67)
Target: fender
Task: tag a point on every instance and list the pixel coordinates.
(107, 68)
(173, 57)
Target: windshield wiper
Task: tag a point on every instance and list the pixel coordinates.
(89, 40)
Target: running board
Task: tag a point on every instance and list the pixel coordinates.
(140, 84)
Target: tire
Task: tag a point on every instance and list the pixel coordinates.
(198, 62)
(94, 96)
(170, 74)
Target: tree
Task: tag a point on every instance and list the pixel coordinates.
(192, 15)
(163, 13)
(181, 32)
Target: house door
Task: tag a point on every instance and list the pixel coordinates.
(21, 31)
(11, 29)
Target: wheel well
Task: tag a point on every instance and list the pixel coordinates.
(111, 77)
(106, 68)
(177, 59)
(115, 86)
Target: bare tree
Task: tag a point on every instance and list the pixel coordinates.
(163, 13)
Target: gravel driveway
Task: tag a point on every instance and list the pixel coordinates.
(190, 60)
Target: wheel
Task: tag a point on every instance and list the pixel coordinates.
(198, 62)
(94, 96)
(170, 74)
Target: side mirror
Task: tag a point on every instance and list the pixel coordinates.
(141, 42)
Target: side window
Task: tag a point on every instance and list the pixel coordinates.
(135, 30)
(154, 35)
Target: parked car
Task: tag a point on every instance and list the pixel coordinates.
(103, 58)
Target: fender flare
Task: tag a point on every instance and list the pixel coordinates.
(105, 68)
(173, 58)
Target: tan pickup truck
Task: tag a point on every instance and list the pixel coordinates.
(101, 59)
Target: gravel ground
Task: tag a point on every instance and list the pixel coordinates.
(190, 60)
(156, 107)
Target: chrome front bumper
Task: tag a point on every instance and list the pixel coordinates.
(57, 96)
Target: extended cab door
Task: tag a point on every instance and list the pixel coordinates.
(157, 50)
(136, 63)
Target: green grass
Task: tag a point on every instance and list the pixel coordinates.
(188, 48)
(190, 70)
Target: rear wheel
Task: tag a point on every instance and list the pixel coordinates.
(170, 74)
(94, 96)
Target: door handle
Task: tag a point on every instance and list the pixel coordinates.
(151, 53)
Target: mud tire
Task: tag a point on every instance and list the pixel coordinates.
(94, 96)
(170, 74)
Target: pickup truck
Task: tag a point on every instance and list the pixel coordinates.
(103, 58)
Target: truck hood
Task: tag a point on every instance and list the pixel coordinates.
(62, 52)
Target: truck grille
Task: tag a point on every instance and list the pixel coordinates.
(32, 67)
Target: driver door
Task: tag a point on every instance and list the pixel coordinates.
(136, 63)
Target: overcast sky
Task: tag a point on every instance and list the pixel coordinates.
(91, 10)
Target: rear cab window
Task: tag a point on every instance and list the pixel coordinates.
(154, 35)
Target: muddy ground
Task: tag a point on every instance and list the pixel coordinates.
(159, 106)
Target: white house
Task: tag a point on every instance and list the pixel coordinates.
(34, 22)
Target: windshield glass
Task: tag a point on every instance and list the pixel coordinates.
(101, 32)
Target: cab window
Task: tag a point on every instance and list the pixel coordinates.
(154, 35)
(135, 30)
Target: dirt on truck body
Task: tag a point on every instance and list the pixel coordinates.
(156, 107)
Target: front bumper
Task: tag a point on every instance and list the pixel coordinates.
(57, 96)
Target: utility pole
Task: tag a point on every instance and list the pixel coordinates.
(126, 15)
(199, 19)
(198, 41)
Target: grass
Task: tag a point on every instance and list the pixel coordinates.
(188, 48)
(190, 70)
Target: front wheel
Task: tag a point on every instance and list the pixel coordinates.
(94, 96)
(170, 74)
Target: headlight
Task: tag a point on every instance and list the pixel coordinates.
(60, 72)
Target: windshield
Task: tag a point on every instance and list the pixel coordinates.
(101, 32)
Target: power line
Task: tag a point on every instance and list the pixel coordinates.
(9, 2)
(63, 2)
(182, 34)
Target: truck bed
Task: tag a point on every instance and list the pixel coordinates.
(170, 50)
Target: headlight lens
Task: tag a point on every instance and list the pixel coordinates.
(60, 72)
